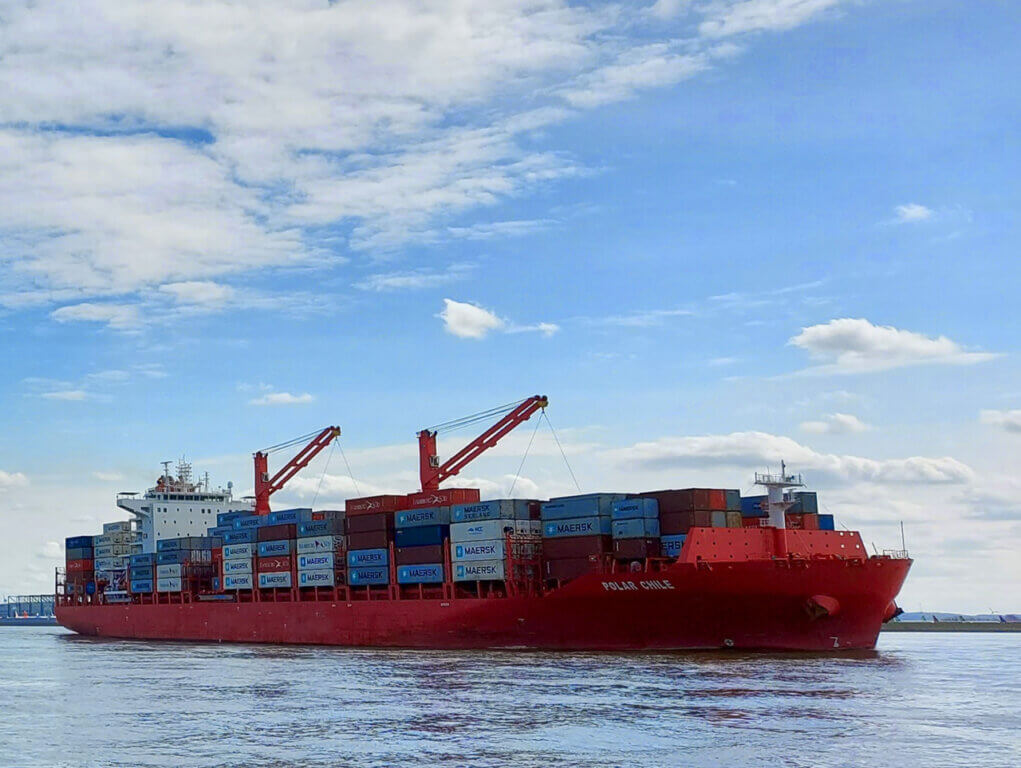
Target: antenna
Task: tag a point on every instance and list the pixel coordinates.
(166, 468)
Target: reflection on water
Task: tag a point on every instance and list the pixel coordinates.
(920, 700)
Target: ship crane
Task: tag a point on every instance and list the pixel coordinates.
(432, 473)
(266, 486)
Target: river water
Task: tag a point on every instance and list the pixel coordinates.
(919, 700)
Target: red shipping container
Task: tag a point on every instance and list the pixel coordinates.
(754, 522)
(672, 523)
(443, 498)
(272, 564)
(717, 498)
(689, 499)
(575, 546)
(569, 568)
(802, 521)
(378, 521)
(433, 553)
(368, 504)
(79, 566)
(636, 549)
(369, 540)
(277, 532)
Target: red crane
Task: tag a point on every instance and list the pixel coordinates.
(266, 486)
(433, 473)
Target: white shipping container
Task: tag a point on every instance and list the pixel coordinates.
(121, 526)
(492, 529)
(237, 566)
(170, 571)
(277, 580)
(104, 550)
(493, 549)
(239, 551)
(238, 581)
(315, 545)
(316, 578)
(168, 585)
(110, 563)
(316, 562)
(483, 570)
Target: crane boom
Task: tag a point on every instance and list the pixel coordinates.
(432, 473)
(266, 486)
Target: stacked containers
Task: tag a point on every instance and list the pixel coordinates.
(321, 549)
(802, 514)
(275, 560)
(79, 564)
(111, 553)
(478, 536)
(369, 535)
(576, 533)
(184, 564)
(419, 537)
(682, 510)
(142, 573)
(635, 529)
(238, 565)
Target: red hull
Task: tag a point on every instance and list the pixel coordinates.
(755, 604)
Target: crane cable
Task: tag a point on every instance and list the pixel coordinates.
(289, 443)
(349, 472)
(525, 456)
(576, 485)
(322, 477)
(465, 421)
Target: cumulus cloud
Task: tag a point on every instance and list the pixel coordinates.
(12, 479)
(282, 398)
(744, 449)
(835, 424)
(1007, 420)
(912, 212)
(119, 316)
(468, 321)
(851, 345)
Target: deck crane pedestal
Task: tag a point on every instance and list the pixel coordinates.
(266, 486)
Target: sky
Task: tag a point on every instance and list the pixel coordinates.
(717, 234)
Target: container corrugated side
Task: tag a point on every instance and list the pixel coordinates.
(626, 509)
(498, 509)
(424, 573)
(372, 576)
(361, 558)
(483, 530)
(320, 578)
(636, 528)
(493, 549)
(484, 570)
(234, 566)
(275, 580)
(583, 526)
(413, 518)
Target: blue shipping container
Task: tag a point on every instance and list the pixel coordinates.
(498, 509)
(334, 527)
(246, 536)
(226, 518)
(78, 542)
(431, 573)
(220, 530)
(579, 526)
(421, 537)
(733, 500)
(183, 556)
(142, 585)
(251, 521)
(289, 517)
(826, 523)
(317, 562)
(593, 505)
(636, 528)
(147, 559)
(625, 509)
(479, 550)
(751, 506)
(360, 558)
(413, 518)
(805, 503)
(274, 548)
(142, 572)
(672, 544)
(368, 576)
(80, 553)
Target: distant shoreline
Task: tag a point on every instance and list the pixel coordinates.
(952, 626)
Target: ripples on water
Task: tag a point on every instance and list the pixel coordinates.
(921, 700)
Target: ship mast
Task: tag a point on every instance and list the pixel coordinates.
(777, 502)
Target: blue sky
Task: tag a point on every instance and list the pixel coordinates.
(716, 234)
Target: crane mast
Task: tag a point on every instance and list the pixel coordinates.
(266, 486)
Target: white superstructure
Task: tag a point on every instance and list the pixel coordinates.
(177, 506)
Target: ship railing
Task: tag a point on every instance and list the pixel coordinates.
(896, 554)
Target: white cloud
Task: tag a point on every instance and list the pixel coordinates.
(108, 477)
(414, 280)
(119, 316)
(546, 329)
(642, 318)
(52, 550)
(912, 212)
(756, 15)
(667, 9)
(70, 395)
(282, 398)
(647, 67)
(751, 449)
(717, 362)
(468, 321)
(849, 345)
(12, 479)
(1008, 420)
(835, 424)
(198, 292)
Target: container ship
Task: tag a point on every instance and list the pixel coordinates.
(690, 568)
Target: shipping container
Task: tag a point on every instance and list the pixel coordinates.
(369, 540)
(487, 570)
(248, 521)
(239, 551)
(317, 562)
(625, 509)
(172, 571)
(316, 544)
(571, 507)
(142, 572)
(733, 500)
(80, 553)
(576, 546)
(734, 519)
(332, 527)
(79, 566)
(149, 558)
(689, 499)
(718, 518)
(446, 497)
(494, 549)
(278, 580)
(168, 585)
(237, 566)
(184, 556)
(289, 516)
(78, 542)
(220, 530)
(370, 522)
(105, 550)
(499, 509)
(275, 563)
(421, 536)
(636, 528)
(672, 544)
(245, 536)
(415, 518)
(360, 558)
(492, 529)
(579, 526)
(826, 523)
(186, 542)
(636, 549)
(568, 568)
(422, 573)
(754, 506)
(276, 548)
(140, 586)
(326, 578)
(277, 532)
(227, 518)
(671, 523)
(368, 576)
(238, 581)
(368, 504)
(416, 555)
(120, 526)
(805, 502)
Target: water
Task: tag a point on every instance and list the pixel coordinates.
(920, 700)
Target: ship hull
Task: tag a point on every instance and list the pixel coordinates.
(754, 605)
